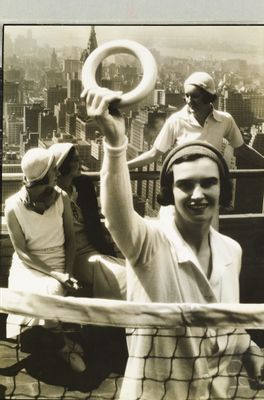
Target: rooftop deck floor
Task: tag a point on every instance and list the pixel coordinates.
(24, 386)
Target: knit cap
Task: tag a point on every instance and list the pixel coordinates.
(193, 147)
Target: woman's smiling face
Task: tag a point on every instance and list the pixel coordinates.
(196, 190)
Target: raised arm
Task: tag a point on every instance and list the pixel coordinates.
(145, 158)
(125, 225)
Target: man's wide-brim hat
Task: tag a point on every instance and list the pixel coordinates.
(60, 152)
(35, 164)
(203, 80)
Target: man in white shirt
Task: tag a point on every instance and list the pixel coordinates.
(181, 259)
(198, 120)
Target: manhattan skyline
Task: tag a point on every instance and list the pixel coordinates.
(187, 41)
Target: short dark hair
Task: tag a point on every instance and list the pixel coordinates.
(65, 168)
(165, 197)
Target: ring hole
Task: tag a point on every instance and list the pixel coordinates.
(119, 72)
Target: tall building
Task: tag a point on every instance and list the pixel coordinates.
(144, 128)
(54, 95)
(159, 97)
(137, 131)
(71, 66)
(54, 78)
(60, 114)
(30, 142)
(70, 124)
(31, 113)
(85, 129)
(14, 128)
(239, 107)
(256, 102)
(70, 106)
(97, 152)
(46, 124)
(74, 87)
(91, 46)
(12, 93)
(84, 150)
(54, 63)
(16, 109)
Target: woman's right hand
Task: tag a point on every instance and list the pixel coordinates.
(112, 126)
(69, 283)
(61, 277)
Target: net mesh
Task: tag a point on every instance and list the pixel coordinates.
(177, 351)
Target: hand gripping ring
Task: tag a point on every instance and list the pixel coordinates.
(145, 57)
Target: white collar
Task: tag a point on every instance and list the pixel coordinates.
(221, 257)
(189, 116)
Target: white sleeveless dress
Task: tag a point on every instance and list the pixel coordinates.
(44, 236)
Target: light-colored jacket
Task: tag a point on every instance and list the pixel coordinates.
(161, 267)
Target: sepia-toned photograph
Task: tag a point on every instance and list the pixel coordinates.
(132, 258)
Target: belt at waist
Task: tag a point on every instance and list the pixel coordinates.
(48, 250)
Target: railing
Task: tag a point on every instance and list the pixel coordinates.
(148, 175)
(11, 183)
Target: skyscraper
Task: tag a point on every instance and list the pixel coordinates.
(14, 128)
(31, 113)
(54, 95)
(74, 87)
(46, 124)
(239, 107)
(91, 46)
(54, 63)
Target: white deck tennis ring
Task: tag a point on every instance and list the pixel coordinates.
(145, 57)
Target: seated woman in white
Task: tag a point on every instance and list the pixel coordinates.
(40, 227)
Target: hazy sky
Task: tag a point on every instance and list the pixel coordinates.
(161, 37)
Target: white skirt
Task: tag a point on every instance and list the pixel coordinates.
(26, 279)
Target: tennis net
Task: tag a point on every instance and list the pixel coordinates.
(177, 351)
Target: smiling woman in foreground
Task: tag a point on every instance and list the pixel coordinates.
(177, 259)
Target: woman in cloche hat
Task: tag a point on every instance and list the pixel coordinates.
(40, 226)
(95, 261)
